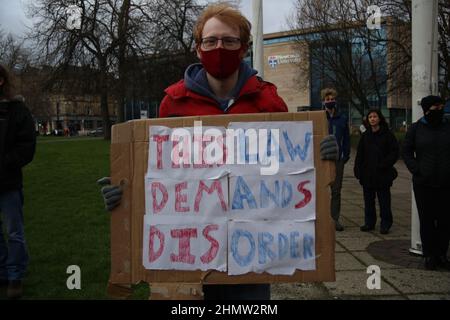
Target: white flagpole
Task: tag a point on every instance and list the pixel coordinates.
(258, 45)
(424, 79)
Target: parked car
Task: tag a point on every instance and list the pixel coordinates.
(96, 133)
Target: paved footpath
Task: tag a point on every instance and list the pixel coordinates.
(402, 275)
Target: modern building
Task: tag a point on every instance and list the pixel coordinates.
(80, 113)
(299, 76)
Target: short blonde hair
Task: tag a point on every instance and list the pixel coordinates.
(226, 14)
(328, 92)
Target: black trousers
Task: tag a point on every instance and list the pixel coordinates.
(384, 199)
(434, 216)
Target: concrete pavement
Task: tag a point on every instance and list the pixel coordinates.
(402, 275)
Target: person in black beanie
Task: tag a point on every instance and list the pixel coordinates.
(426, 152)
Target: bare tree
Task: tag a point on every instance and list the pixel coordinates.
(112, 38)
(363, 64)
(366, 64)
(108, 32)
(12, 51)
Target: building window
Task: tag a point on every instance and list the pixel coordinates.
(88, 124)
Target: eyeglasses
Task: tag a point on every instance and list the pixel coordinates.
(229, 43)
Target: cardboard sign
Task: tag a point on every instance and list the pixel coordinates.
(187, 210)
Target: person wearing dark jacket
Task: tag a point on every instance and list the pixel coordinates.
(426, 152)
(17, 147)
(221, 84)
(374, 168)
(338, 127)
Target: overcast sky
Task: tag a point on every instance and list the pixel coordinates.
(14, 20)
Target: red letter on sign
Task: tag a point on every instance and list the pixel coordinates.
(180, 198)
(184, 245)
(215, 186)
(152, 255)
(306, 193)
(212, 252)
(158, 207)
(159, 140)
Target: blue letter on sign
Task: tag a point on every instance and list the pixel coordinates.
(286, 198)
(302, 153)
(308, 242)
(242, 260)
(283, 246)
(245, 194)
(266, 194)
(294, 245)
(264, 240)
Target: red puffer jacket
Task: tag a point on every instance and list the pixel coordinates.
(256, 96)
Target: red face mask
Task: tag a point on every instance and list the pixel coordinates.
(220, 62)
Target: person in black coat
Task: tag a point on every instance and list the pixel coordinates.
(374, 168)
(17, 147)
(426, 152)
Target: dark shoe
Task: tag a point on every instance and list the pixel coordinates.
(338, 226)
(384, 230)
(431, 263)
(15, 289)
(443, 263)
(366, 228)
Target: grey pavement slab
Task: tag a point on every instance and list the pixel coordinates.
(339, 248)
(415, 281)
(368, 260)
(359, 244)
(346, 261)
(354, 283)
(354, 232)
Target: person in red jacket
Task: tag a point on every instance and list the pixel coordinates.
(221, 84)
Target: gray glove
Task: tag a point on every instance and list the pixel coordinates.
(111, 194)
(329, 148)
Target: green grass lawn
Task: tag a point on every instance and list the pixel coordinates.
(65, 221)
